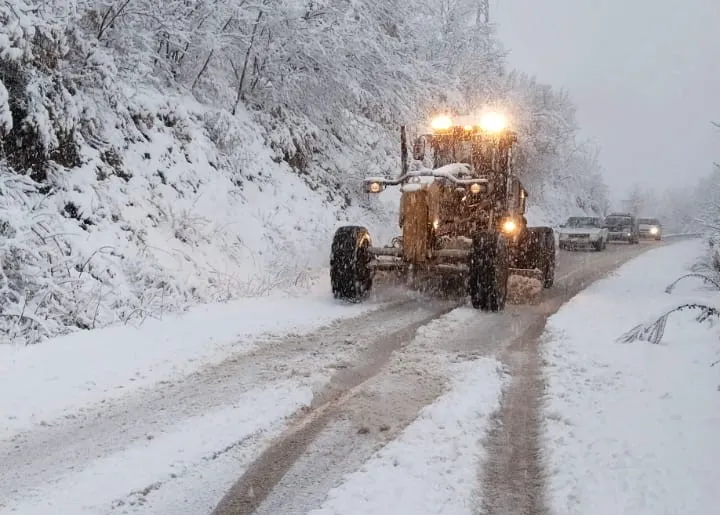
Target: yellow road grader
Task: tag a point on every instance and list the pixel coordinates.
(461, 215)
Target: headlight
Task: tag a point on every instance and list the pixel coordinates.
(509, 226)
(493, 122)
(441, 123)
(475, 188)
(373, 187)
(653, 230)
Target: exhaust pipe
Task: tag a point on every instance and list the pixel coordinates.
(404, 150)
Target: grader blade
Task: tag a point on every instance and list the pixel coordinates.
(524, 286)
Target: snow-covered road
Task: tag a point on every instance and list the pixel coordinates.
(341, 409)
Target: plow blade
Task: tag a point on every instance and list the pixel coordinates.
(524, 286)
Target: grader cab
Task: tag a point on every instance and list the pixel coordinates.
(461, 215)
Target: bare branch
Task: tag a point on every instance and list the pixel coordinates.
(705, 279)
(654, 331)
(109, 18)
(241, 81)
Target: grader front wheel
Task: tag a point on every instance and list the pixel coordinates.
(489, 267)
(537, 252)
(549, 270)
(350, 277)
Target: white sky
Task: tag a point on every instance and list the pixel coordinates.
(645, 75)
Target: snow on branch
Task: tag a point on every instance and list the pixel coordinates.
(704, 278)
(654, 330)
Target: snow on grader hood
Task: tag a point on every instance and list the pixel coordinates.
(461, 219)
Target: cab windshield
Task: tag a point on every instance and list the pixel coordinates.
(450, 150)
(649, 221)
(483, 155)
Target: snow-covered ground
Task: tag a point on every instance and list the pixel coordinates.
(432, 467)
(120, 481)
(632, 428)
(629, 426)
(70, 372)
(162, 418)
(185, 465)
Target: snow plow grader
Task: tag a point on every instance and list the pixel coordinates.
(461, 216)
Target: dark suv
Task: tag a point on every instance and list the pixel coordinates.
(622, 227)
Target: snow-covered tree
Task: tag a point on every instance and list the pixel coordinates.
(110, 108)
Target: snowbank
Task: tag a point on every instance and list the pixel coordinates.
(631, 428)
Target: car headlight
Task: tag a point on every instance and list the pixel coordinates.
(653, 230)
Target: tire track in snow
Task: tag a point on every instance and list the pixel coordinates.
(346, 398)
(513, 475)
(296, 472)
(33, 461)
(514, 480)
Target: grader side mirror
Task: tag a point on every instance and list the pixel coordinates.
(419, 149)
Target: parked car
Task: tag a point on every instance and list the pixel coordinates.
(583, 231)
(622, 227)
(650, 228)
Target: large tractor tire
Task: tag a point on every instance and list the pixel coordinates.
(489, 269)
(350, 277)
(536, 251)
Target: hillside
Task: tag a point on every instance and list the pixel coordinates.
(160, 154)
